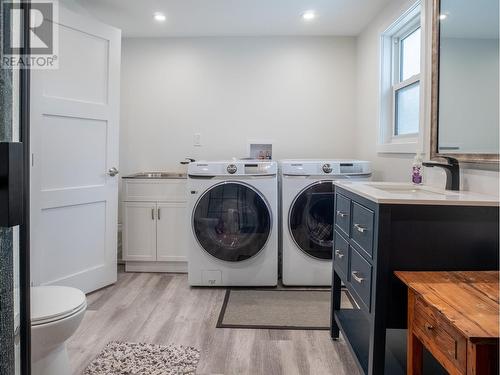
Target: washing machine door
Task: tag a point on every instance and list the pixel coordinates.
(232, 221)
(310, 220)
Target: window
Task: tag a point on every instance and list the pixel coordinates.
(406, 86)
(400, 84)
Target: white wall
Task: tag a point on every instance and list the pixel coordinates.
(297, 91)
(74, 6)
(314, 96)
(389, 167)
(396, 167)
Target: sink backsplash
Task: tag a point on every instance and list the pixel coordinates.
(476, 180)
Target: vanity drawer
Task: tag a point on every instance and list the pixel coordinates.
(341, 255)
(342, 213)
(360, 277)
(362, 227)
(437, 335)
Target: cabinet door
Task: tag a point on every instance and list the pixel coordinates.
(172, 231)
(139, 231)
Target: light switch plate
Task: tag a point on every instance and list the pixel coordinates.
(197, 139)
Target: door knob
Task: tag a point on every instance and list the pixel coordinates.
(113, 171)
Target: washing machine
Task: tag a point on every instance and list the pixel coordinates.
(307, 194)
(234, 233)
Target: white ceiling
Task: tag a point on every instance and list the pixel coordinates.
(235, 17)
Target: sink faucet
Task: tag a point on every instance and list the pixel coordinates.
(187, 161)
(452, 170)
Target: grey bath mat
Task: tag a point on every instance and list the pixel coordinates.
(125, 358)
(278, 309)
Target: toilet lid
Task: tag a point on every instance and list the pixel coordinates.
(51, 303)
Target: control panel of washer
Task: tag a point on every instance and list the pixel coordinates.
(233, 168)
(340, 167)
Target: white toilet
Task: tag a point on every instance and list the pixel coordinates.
(56, 313)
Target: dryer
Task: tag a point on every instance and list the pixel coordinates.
(234, 236)
(307, 194)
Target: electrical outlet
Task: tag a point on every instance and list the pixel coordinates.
(197, 139)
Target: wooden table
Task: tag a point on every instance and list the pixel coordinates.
(455, 316)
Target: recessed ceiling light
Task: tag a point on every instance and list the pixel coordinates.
(160, 17)
(309, 15)
(443, 16)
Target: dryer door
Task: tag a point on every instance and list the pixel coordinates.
(310, 220)
(232, 221)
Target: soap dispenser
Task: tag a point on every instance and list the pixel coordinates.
(417, 170)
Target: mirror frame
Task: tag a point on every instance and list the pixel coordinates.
(434, 151)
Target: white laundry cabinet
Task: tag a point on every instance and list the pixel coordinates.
(155, 226)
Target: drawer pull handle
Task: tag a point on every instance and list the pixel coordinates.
(339, 254)
(356, 277)
(360, 228)
(341, 214)
(429, 326)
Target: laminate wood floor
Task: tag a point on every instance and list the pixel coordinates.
(163, 309)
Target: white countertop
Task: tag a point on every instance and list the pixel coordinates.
(407, 193)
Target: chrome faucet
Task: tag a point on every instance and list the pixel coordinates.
(452, 170)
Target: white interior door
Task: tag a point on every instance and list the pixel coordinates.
(74, 141)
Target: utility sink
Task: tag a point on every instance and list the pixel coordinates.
(158, 175)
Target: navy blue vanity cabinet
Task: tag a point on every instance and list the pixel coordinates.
(373, 240)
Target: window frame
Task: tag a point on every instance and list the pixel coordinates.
(405, 31)
(390, 55)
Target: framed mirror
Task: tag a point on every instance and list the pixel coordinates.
(465, 80)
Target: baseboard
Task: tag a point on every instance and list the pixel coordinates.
(173, 267)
